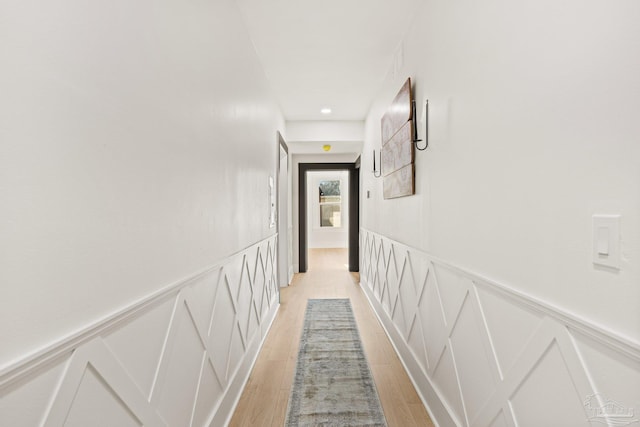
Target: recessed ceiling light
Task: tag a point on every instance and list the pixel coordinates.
(326, 111)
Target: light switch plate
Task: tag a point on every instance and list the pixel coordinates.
(606, 241)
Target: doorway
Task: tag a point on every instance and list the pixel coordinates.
(327, 218)
(353, 204)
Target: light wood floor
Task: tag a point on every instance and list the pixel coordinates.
(264, 399)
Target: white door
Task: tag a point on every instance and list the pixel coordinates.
(285, 266)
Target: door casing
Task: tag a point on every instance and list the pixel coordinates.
(354, 210)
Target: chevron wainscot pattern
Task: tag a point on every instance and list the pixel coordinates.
(179, 358)
(484, 355)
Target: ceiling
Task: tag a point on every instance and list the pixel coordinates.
(329, 53)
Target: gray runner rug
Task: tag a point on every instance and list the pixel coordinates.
(333, 385)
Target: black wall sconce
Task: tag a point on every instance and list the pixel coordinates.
(376, 173)
(415, 126)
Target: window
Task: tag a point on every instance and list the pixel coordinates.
(330, 203)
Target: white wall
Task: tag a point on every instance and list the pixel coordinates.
(136, 141)
(533, 130)
(325, 130)
(309, 137)
(327, 237)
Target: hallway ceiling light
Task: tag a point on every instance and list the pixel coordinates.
(326, 147)
(326, 110)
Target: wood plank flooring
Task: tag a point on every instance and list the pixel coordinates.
(264, 399)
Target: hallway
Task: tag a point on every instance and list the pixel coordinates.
(153, 159)
(264, 399)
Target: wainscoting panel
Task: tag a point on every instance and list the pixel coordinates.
(484, 355)
(178, 358)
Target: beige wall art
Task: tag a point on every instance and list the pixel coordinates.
(397, 154)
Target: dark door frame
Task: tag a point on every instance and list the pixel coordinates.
(354, 210)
